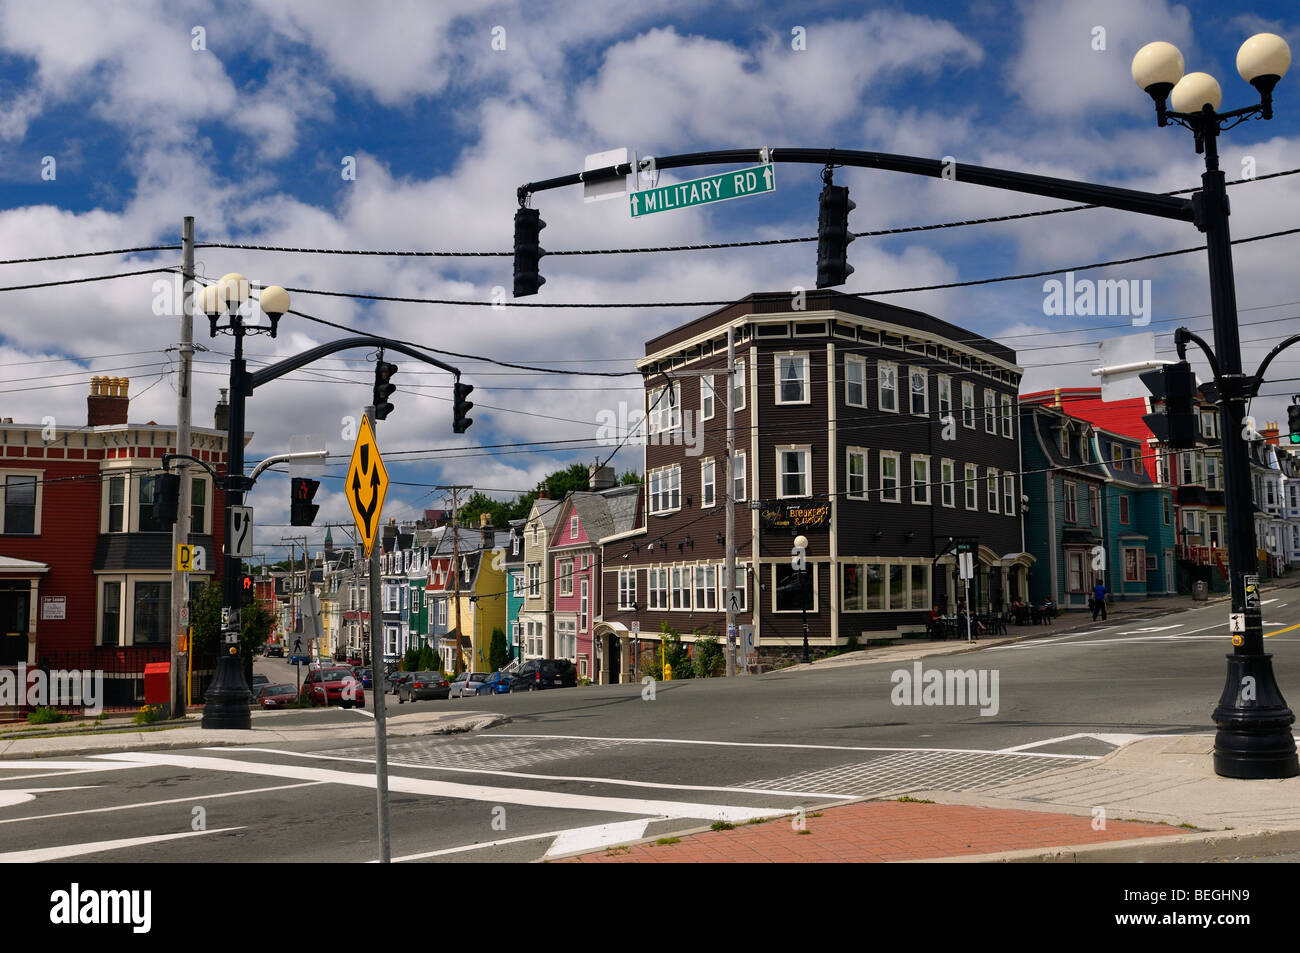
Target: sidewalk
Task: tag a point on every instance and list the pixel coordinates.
(1160, 797)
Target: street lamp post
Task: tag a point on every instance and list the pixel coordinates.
(801, 557)
(1254, 723)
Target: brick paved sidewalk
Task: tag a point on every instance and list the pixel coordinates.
(882, 831)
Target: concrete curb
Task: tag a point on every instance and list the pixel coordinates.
(27, 748)
(1199, 847)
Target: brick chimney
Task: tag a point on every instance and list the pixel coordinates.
(600, 478)
(221, 415)
(1270, 432)
(107, 404)
(486, 530)
(543, 493)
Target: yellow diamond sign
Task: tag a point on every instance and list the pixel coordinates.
(366, 485)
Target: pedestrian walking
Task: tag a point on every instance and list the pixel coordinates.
(1099, 593)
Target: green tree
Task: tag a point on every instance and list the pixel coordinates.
(675, 653)
(429, 661)
(499, 652)
(411, 660)
(256, 622)
(629, 478)
(709, 659)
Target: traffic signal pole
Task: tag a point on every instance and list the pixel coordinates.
(377, 691)
(181, 528)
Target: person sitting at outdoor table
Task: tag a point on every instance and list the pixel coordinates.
(975, 626)
(934, 623)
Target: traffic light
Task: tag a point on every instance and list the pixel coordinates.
(246, 590)
(383, 390)
(1293, 422)
(461, 407)
(833, 236)
(1175, 386)
(528, 252)
(302, 511)
(166, 498)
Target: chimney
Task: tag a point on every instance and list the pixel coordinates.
(486, 531)
(107, 404)
(543, 493)
(600, 478)
(221, 416)
(1270, 432)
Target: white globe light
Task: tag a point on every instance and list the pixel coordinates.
(210, 300)
(1157, 63)
(801, 541)
(274, 300)
(234, 288)
(1194, 91)
(1264, 54)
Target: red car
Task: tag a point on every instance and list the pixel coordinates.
(276, 696)
(334, 685)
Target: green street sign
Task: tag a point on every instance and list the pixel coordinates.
(713, 188)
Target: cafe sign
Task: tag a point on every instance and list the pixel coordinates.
(796, 516)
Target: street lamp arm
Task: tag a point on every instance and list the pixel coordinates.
(1182, 336)
(167, 458)
(289, 364)
(1259, 374)
(1146, 203)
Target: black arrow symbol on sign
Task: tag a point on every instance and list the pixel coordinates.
(367, 512)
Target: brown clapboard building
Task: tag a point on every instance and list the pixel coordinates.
(878, 432)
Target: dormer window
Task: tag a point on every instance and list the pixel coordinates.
(1065, 441)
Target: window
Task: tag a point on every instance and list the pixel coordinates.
(857, 474)
(534, 580)
(1117, 456)
(792, 379)
(945, 394)
(1009, 494)
(657, 583)
(584, 602)
(789, 594)
(972, 475)
(852, 587)
(707, 397)
(117, 504)
(897, 586)
(1085, 446)
(708, 485)
(110, 616)
(738, 477)
(681, 586)
(665, 488)
(564, 570)
(991, 484)
(1063, 439)
(920, 479)
(1210, 425)
(888, 477)
(706, 587)
(792, 472)
(1137, 459)
(1123, 509)
(990, 411)
(888, 377)
(573, 527)
(626, 588)
(1166, 510)
(1074, 570)
(1008, 415)
(198, 504)
(855, 381)
(145, 521)
(1094, 505)
(1212, 472)
(152, 617)
(947, 475)
(1071, 494)
(920, 586)
(918, 390)
(442, 613)
(1134, 565)
(739, 583)
(738, 385)
(666, 408)
(968, 404)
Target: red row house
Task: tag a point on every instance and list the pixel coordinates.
(85, 571)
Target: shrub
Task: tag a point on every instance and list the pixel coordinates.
(499, 652)
(45, 715)
(675, 654)
(149, 714)
(411, 660)
(428, 660)
(709, 658)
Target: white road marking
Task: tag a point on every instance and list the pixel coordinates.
(64, 765)
(598, 836)
(466, 792)
(541, 777)
(756, 744)
(176, 800)
(1113, 739)
(96, 847)
(12, 796)
(1152, 628)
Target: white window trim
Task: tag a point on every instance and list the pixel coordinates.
(805, 449)
(663, 473)
(926, 485)
(40, 494)
(992, 478)
(944, 383)
(925, 392)
(739, 472)
(949, 484)
(738, 374)
(1008, 416)
(880, 386)
(971, 477)
(564, 580)
(712, 467)
(861, 363)
(969, 387)
(898, 476)
(623, 576)
(1009, 493)
(686, 572)
(707, 386)
(849, 454)
(656, 409)
(990, 411)
(807, 376)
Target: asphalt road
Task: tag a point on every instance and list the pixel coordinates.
(580, 768)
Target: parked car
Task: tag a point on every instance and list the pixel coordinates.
(274, 651)
(365, 675)
(539, 673)
(276, 696)
(498, 683)
(260, 681)
(394, 679)
(466, 684)
(334, 685)
(422, 685)
(300, 658)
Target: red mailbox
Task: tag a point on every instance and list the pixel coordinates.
(158, 683)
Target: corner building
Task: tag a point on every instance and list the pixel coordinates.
(880, 433)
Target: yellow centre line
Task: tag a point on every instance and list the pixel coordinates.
(1269, 635)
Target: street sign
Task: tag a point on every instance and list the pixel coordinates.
(307, 466)
(1237, 622)
(366, 484)
(239, 539)
(191, 558)
(966, 565)
(635, 628)
(601, 189)
(713, 188)
(225, 616)
(1252, 590)
(735, 597)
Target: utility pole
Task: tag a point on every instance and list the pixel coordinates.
(455, 564)
(731, 499)
(181, 528)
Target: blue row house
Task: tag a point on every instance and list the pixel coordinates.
(1138, 534)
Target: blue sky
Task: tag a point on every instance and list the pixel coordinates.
(249, 133)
